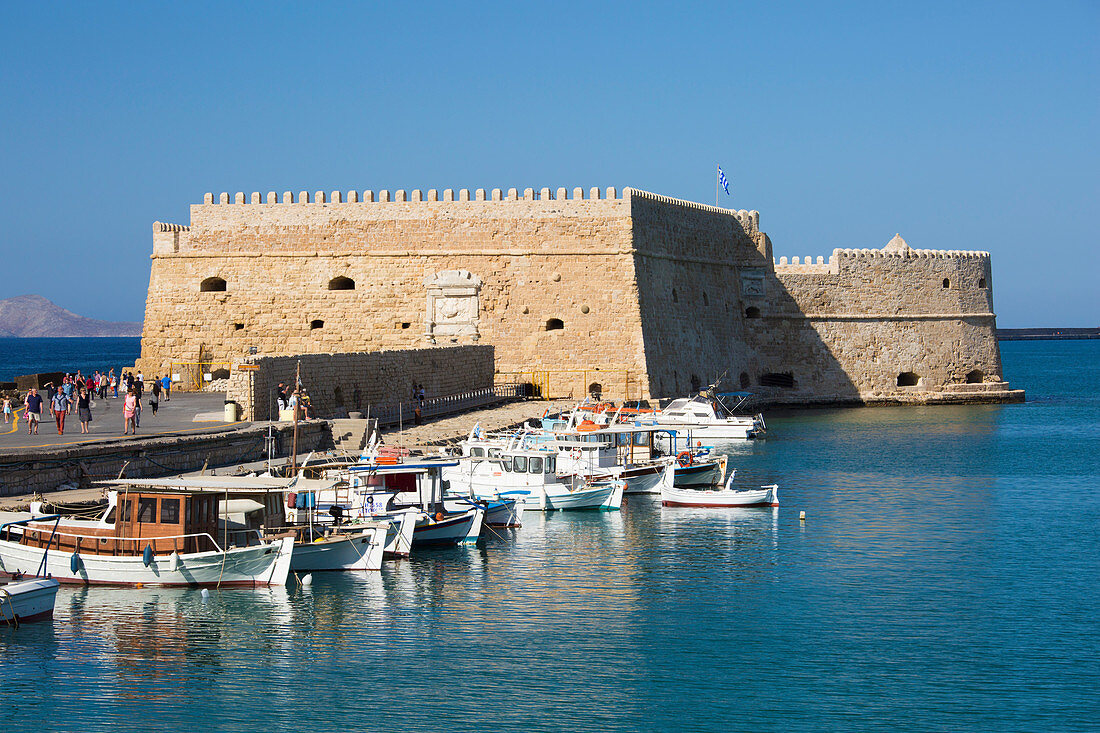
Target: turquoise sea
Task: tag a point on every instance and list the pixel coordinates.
(946, 579)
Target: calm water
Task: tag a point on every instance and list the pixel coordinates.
(35, 355)
(946, 579)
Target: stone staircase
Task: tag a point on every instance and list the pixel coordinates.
(351, 434)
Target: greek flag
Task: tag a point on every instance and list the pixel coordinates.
(722, 181)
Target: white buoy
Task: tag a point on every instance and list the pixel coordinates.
(307, 580)
(205, 594)
(802, 516)
(174, 562)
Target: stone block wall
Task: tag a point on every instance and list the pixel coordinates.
(339, 273)
(339, 383)
(670, 293)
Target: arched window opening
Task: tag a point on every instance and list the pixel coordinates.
(981, 283)
(219, 374)
(212, 285)
(752, 312)
(316, 324)
(706, 300)
(975, 377)
(908, 379)
(595, 389)
(745, 380)
(946, 283)
(675, 299)
(341, 283)
(238, 326)
(777, 379)
(554, 324)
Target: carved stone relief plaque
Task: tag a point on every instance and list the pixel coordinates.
(452, 305)
(752, 282)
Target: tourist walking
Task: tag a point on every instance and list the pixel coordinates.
(59, 408)
(33, 405)
(7, 410)
(84, 409)
(114, 383)
(167, 384)
(129, 411)
(154, 395)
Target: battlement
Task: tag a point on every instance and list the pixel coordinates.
(159, 226)
(943, 254)
(417, 195)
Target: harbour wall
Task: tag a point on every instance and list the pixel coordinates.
(38, 470)
(343, 382)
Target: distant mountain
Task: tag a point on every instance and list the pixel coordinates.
(32, 315)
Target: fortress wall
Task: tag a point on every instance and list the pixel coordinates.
(337, 383)
(868, 316)
(535, 260)
(687, 258)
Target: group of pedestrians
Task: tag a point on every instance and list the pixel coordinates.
(76, 393)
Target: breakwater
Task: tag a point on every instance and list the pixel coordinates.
(36, 470)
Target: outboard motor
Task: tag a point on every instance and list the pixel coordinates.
(337, 513)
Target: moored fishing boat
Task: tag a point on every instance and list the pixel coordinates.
(25, 601)
(147, 536)
(765, 496)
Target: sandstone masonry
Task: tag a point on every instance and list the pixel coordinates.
(661, 294)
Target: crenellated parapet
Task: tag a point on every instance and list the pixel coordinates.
(418, 195)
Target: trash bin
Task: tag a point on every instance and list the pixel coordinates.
(231, 411)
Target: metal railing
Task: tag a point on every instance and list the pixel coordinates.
(404, 412)
(549, 384)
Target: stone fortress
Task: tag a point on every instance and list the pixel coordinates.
(662, 295)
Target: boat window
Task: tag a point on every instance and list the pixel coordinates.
(147, 510)
(550, 461)
(640, 439)
(169, 511)
(127, 510)
(622, 439)
(110, 519)
(535, 465)
(494, 452)
(479, 452)
(506, 464)
(677, 404)
(521, 464)
(700, 414)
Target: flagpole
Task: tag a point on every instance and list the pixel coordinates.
(717, 185)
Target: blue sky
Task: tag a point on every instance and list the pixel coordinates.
(960, 125)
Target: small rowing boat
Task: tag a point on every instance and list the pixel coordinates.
(726, 497)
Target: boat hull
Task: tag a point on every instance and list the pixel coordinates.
(258, 565)
(361, 551)
(453, 530)
(699, 474)
(642, 480)
(607, 496)
(27, 601)
(765, 496)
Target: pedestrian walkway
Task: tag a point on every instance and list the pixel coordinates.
(174, 417)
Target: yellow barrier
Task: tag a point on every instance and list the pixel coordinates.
(573, 383)
(192, 374)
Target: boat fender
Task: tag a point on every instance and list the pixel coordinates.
(74, 563)
(147, 555)
(684, 458)
(439, 516)
(174, 562)
(291, 499)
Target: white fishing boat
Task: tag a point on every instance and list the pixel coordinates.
(26, 601)
(149, 535)
(360, 549)
(765, 496)
(530, 476)
(382, 487)
(629, 452)
(709, 416)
